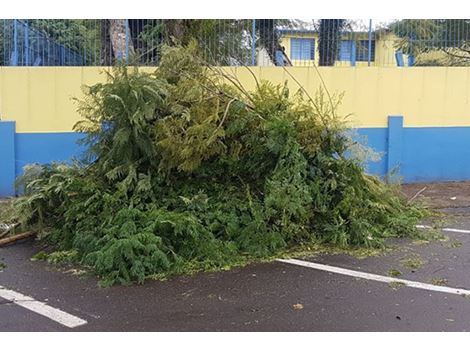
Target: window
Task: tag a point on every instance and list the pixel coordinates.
(302, 49)
(360, 46)
(362, 50)
(345, 50)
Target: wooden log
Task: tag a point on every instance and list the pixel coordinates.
(4, 233)
(18, 237)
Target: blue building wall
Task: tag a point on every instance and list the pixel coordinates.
(45, 148)
(436, 154)
(424, 154)
(7, 158)
(20, 149)
(427, 154)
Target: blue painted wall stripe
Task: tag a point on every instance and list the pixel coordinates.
(375, 138)
(428, 154)
(436, 154)
(20, 149)
(425, 154)
(45, 148)
(394, 144)
(7, 158)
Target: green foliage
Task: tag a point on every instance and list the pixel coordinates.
(413, 262)
(394, 273)
(63, 257)
(223, 42)
(77, 34)
(186, 172)
(6, 213)
(448, 36)
(438, 281)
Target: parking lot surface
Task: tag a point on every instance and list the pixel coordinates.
(273, 296)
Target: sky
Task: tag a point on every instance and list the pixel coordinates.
(355, 24)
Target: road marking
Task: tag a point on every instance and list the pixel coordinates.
(447, 229)
(374, 277)
(41, 308)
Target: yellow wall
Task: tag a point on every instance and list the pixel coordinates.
(39, 99)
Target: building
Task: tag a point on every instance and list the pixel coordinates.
(301, 47)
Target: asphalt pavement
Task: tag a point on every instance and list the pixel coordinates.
(259, 297)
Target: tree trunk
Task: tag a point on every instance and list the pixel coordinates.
(176, 30)
(269, 39)
(121, 45)
(329, 39)
(106, 53)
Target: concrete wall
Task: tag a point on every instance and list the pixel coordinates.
(418, 117)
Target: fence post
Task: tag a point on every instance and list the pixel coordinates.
(127, 41)
(7, 158)
(26, 44)
(14, 55)
(394, 145)
(353, 52)
(410, 51)
(369, 51)
(253, 43)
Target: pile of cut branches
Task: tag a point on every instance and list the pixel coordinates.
(187, 170)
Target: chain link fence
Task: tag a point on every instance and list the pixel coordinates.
(238, 42)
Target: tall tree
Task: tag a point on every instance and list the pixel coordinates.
(118, 33)
(212, 35)
(329, 40)
(222, 41)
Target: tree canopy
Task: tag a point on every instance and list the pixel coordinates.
(450, 37)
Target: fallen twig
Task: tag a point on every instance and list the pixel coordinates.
(417, 194)
(18, 237)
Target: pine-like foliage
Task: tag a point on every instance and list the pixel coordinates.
(187, 170)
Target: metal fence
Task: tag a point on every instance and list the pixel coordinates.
(236, 42)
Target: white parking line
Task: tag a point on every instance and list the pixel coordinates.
(447, 229)
(52, 313)
(374, 277)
